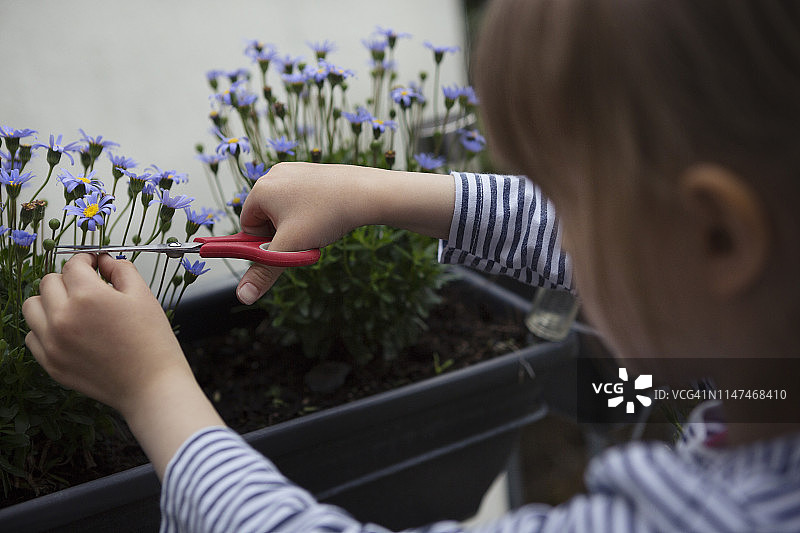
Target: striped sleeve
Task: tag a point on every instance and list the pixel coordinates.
(217, 483)
(504, 225)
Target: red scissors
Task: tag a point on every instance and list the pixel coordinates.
(239, 246)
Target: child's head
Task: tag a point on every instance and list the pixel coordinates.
(668, 136)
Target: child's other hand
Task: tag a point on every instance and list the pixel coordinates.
(307, 205)
(302, 206)
(110, 342)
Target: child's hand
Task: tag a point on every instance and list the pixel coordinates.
(302, 205)
(307, 205)
(107, 341)
(114, 343)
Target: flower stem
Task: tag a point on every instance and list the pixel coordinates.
(128, 225)
(49, 173)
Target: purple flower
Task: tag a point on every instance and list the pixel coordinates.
(137, 182)
(195, 268)
(337, 75)
(296, 80)
(121, 162)
(204, 217)
(318, 73)
(238, 199)
(262, 56)
(391, 35)
(3, 229)
(13, 133)
(22, 238)
(213, 75)
(12, 178)
(91, 210)
(178, 202)
(55, 149)
(440, 51)
(254, 47)
(192, 270)
(232, 145)
(194, 219)
(288, 63)
(236, 96)
(88, 181)
(359, 117)
(255, 170)
(96, 144)
(321, 49)
(283, 145)
(212, 160)
(381, 125)
(468, 96)
(405, 96)
(429, 161)
(376, 47)
(12, 137)
(239, 74)
(471, 140)
(166, 178)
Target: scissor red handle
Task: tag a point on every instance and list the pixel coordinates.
(252, 247)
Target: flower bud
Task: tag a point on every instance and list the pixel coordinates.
(390, 157)
(316, 155)
(215, 118)
(53, 157)
(136, 239)
(48, 245)
(12, 143)
(279, 109)
(26, 214)
(86, 160)
(54, 224)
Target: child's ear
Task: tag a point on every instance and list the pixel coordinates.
(731, 227)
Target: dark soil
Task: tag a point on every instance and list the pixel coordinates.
(253, 383)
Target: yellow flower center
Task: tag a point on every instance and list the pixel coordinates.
(170, 176)
(236, 201)
(84, 179)
(233, 140)
(91, 210)
(378, 122)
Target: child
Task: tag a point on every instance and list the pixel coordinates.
(665, 134)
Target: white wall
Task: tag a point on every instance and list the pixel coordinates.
(134, 70)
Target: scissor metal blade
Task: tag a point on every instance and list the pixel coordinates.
(174, 248)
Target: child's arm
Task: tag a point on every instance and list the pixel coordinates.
(113, 343)
(501, 224)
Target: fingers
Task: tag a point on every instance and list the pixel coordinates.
(79, 275)
(256, 281)
(33, 311)
(122, 274)
(35, 346)
(254, 217)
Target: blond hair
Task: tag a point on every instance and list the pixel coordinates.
(606, 102)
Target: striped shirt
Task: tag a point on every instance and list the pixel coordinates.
(504, 225)
(217, 482)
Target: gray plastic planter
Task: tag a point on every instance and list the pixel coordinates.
(403, 458)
